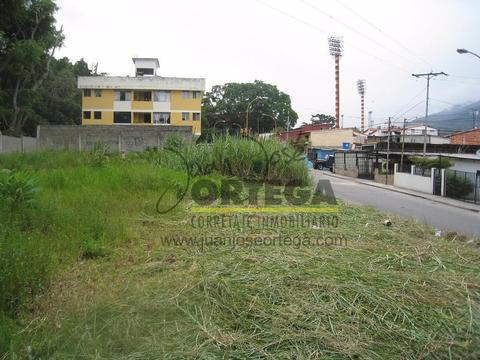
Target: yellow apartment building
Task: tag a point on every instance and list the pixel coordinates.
(143, 99)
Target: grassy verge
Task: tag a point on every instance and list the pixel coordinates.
(118, 281)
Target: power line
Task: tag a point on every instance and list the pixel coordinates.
(443, 101)
(465, 77)
(410, 101)
(353, 29)
(473, 82)
(428, 76)
(326, 33)
(409, 109)
(384, 33)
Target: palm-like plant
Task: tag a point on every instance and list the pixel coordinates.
(18, 189)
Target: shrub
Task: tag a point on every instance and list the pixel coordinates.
(98, 155)
(458, 187)
(18, 189)
(175, 142)
(426, 162)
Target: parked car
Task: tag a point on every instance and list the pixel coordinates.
(322, 159)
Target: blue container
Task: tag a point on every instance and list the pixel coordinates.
(345, 145)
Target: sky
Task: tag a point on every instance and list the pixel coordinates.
(284, 42)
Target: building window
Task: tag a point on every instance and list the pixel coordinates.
(87, 92)
(185, 116)
(98, 93)
(120, 117)
(122, 95)
(196, 95)
(161, 96)
(196, 116)
(142, 96)
(142, 118)
(185, 94)
(87, 115)
(144, 71)
(161, 118)
(97, 115)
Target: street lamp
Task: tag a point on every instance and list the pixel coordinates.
(465, 51)
(274, 121)
(335, 45)
(227, 124)
(248, 108)
(361, 91)
(239, 127)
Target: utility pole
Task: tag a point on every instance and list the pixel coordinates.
(342, 121)
(428, 76)
(335, 45)
(403, 143)
(370, 120)
(288, 124)
(388, 151)
(361, 91)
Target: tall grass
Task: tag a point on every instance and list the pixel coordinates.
(87, 200)
(265, 160)
(57, 215)
(393, 292)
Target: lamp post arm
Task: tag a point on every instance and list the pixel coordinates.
(470, 52)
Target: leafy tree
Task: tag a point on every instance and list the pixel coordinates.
(426, 162)
(58, 100)
(28, 40)
(322, 119)
(228, 103)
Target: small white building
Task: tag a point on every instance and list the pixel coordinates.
(420, 130)
(464, 162)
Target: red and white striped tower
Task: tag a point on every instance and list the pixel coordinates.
(361, 91)
(335, 45)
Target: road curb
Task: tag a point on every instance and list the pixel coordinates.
(380, 186)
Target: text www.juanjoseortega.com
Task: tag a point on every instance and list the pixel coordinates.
(234, 241)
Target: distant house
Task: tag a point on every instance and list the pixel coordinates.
(464, 162)
(419, 139)
(323, 136)
(469, 137)
(303, 132)
(337, 138)
(420, 130)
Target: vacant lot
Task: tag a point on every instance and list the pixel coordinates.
(91, 270)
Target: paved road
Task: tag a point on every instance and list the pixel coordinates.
(440, 216)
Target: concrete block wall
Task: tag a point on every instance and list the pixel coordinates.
(119, 138)
(383, 179)
(349, 172)
(11, 144)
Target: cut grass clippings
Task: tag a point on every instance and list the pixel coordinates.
(393, 292)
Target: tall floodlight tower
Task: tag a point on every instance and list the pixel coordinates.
(361, 91)
(335, 44)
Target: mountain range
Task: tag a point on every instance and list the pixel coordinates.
(457, 118)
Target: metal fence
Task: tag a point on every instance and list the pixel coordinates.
(462, 185)
(405, 168)
(422, 171)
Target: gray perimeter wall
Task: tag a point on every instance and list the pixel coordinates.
(10, 144)
(120, 138)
